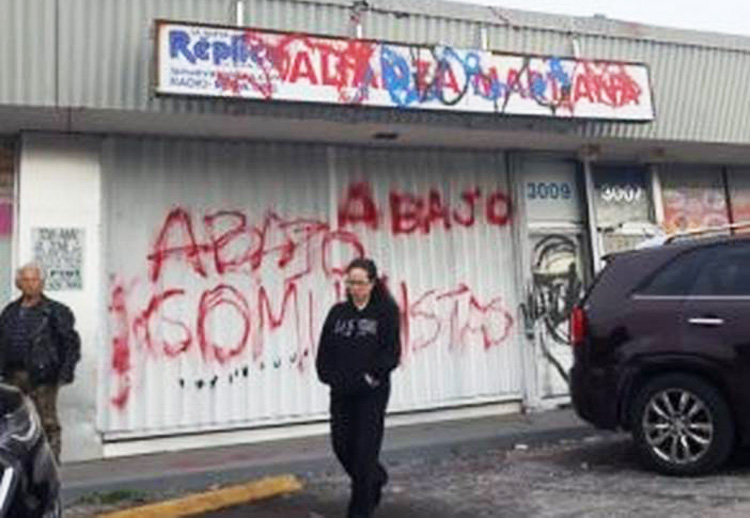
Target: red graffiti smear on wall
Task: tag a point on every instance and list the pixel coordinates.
(456, 310)
(218, 285)
(420, 213)
(289, 58)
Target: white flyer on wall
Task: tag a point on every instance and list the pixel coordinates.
(59, 251)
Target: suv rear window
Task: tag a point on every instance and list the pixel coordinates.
(726, 273)
(719, 270)
(678, 276)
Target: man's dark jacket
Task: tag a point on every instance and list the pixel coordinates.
(54, 348)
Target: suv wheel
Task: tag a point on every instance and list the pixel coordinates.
(682, 425)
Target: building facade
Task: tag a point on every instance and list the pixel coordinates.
(195, 176)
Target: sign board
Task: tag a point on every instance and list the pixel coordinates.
(213, 61)
(60, 252)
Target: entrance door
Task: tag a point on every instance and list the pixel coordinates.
(557, 282)
(556, 262)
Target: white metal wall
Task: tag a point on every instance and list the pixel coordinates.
(223, 258)
(59, 187)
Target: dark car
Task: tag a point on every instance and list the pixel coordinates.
(29, 482)
(662, 349)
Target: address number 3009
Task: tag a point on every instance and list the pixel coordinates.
(548, 191)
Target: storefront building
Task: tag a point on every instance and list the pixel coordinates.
(195, 176)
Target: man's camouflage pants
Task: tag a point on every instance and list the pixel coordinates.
(45, 399)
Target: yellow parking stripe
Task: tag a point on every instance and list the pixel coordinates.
(213, 500)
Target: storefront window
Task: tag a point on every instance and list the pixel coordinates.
(622, 201)
(738, 180)
(622, 195)
(694, 198)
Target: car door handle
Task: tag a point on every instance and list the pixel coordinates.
(707, 321)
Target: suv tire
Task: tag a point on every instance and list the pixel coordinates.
(682, 425)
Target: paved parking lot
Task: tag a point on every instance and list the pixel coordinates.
(598, 477)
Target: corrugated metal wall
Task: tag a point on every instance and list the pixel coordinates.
(106, 52)
(223, 260)
(28, 58)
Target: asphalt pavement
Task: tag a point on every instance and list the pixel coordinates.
(159, 476)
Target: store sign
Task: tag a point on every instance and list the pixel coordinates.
(200, 60)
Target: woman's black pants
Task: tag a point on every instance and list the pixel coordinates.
(357, 423)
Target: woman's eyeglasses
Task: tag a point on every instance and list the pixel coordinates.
(356, 282)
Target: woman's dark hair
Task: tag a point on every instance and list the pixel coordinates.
(380, 293)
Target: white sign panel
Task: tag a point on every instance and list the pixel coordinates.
(199, 60)
(60, 252)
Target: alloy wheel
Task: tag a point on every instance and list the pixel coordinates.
(678, 426)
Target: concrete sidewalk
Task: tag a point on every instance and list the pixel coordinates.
(195, 470)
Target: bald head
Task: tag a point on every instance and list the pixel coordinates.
(30, 280)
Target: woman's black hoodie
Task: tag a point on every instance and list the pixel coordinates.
(355, 342)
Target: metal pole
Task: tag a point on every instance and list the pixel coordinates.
(596, 244)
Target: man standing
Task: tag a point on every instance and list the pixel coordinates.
(39, 348)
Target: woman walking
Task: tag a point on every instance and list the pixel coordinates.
(359, 347)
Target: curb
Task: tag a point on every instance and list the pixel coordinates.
(155, 483)
(213, 500)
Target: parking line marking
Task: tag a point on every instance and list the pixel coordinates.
(213, 500)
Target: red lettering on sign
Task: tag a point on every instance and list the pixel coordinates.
(302, 68)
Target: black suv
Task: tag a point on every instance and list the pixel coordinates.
(662, 349)
(29, 482)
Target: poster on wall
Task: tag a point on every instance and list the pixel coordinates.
(253, 64)
(60, 252)
(694, 198)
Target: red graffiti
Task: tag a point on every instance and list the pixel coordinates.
(296, 58)
(120, 345)
(220, 303)
(359, 206)
(469, 199)
(233, 245)
(498, 209)
(178, 226)
(342, 240)
(212, 300)
(414, 312)
(460, 311)
(270, 321)
(412, 213)
(142, 325)
(605, 83)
